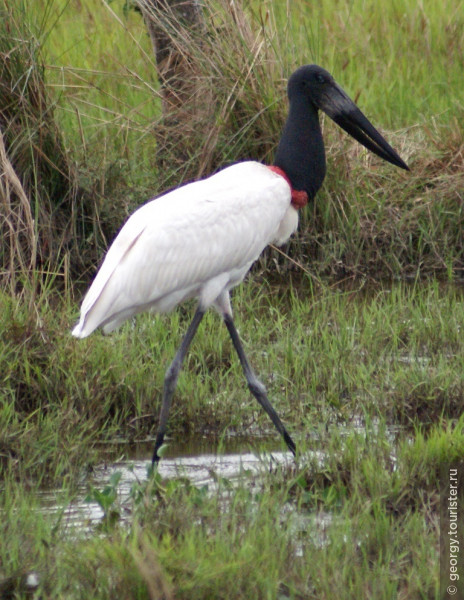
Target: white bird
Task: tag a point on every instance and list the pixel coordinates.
(200, 240)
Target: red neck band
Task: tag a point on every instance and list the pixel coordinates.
(299, 197)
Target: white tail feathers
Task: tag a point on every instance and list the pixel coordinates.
(79, 330)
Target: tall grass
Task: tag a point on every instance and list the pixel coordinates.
(103, 145)
(39, 185)
(402, 66)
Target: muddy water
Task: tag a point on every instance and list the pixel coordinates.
(201, 462)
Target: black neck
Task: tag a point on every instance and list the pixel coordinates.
(300, 152)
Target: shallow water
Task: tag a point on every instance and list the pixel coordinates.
(201, 462)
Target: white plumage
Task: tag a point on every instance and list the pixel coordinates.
(196, 241)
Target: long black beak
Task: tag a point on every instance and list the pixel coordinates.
(341, 109)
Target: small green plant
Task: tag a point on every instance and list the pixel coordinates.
(107, 500)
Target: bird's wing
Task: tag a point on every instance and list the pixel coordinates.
(183, 239)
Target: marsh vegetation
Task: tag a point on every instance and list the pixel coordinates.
(356, 331)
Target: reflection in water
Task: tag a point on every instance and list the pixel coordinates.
(203, 462)
(198, 463)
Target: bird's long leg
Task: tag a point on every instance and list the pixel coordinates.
(170, 380)
(256, 387)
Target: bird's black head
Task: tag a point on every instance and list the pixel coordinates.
(319, 87)
(311, 81)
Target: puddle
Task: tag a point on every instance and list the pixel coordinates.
(201, 463)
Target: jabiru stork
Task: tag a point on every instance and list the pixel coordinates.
(200, 240)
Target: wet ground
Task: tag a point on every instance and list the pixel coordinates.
(203, 463)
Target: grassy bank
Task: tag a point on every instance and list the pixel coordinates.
(325, 356)
(367, 373)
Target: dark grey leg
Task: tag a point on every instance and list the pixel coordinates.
(256, 387)
(170, 381)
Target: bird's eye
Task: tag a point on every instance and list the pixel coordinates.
(320, 78)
